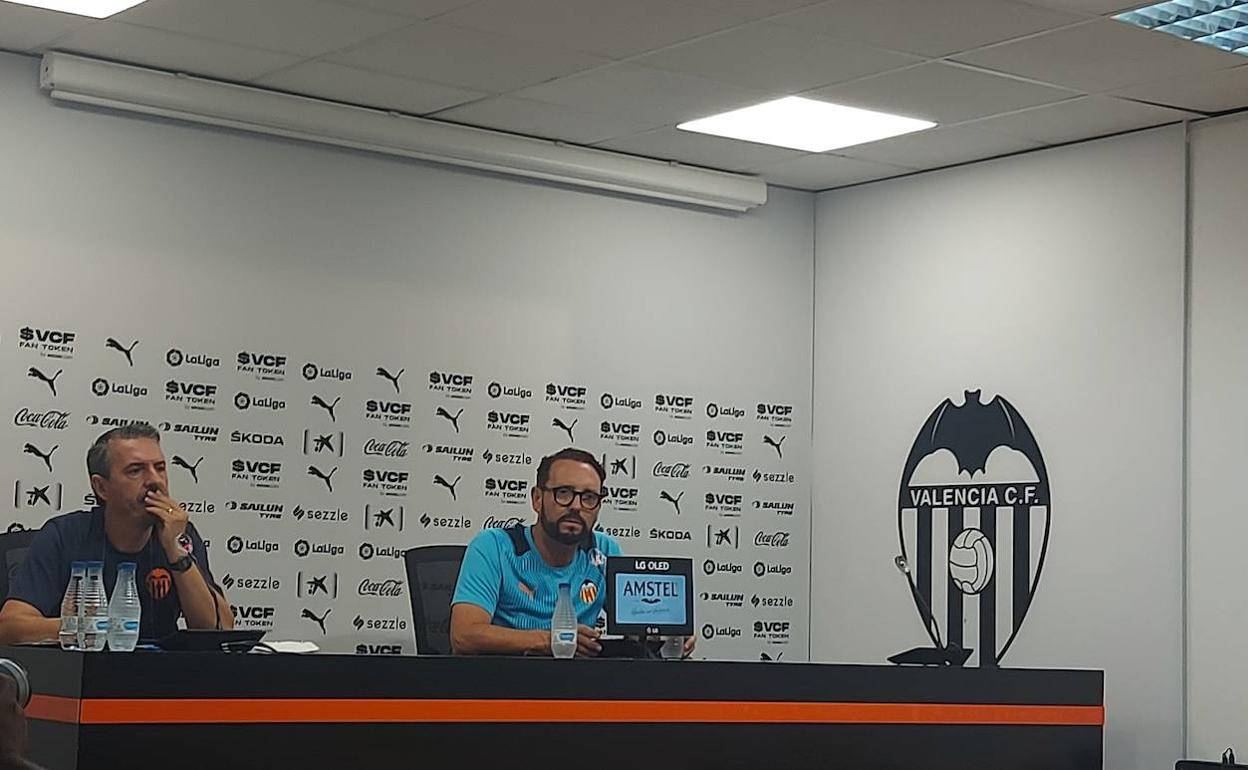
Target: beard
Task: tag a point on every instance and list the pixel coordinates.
(552, 528)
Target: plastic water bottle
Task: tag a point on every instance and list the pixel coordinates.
(563, 625)
(93, 625)
(124, 611)
(71, 607)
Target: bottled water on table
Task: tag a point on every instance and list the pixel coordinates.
(71, 607)
(563, 625)
(93, 622)
(124, 611)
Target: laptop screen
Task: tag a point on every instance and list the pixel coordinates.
(650, 595)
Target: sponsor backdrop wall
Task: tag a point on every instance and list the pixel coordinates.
(1044, 527)
(1218, 601)
(351, 356)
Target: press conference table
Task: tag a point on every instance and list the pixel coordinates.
(205, 710)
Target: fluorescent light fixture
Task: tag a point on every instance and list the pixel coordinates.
(1219, 23)
(805, 124)
(96, 9)
(81, 80)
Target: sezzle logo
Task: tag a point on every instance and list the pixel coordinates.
(386, 482)
(328, 515)
(670, 534)
(772, 631)
(384, 518)
(265, 367)
(773, 478)
(311, 372)
(726, 599)
(499, 390)
(724, 472)
(450, 384)
(727, 442)
(52, 419)
(175, 358)
(662, 438)
(664, 470)
(303, 549)
(205, 433)
(244, 401)
(623, 434)
(507, 491)
(507, 523)
(392, 449)
(243, 583)
(624, 533)
(727, 505)
(256, 439)
(370, 551)
(566, 396)
(50, 343)
(712, 567)
(783, 508)
(680, 407)
(30, 496)
(198, 396)
(461, 454)
(725, 632)
(389, 588)
(762, 569)
(777, 602)
(262, 510)
(772, 539)
(723, 537)
(392, 414)
(716, 411)
(609, 401)
(102, 387)
(253, 616)
(510, 424)
(263, 474)
(237, 544)
(506, 458)
(776, 415)
(198, 506)
(445, 522)
(622, 499)
(379, 624)
(319, 443)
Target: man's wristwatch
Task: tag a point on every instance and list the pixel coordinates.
(183, 564)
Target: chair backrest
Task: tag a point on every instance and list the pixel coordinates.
(432, 571)
(13, 548)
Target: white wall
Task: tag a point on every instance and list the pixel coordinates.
(1218, 589)
(218, 242)
(1056, 280)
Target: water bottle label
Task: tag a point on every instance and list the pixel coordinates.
(101, 625)
(130, 625)
(566, 636)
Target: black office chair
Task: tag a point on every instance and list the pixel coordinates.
(13, 548)
(431, 574)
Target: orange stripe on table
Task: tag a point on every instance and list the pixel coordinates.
(343, 710)
(53, 708)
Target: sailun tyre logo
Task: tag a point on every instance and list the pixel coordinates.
(974, 506)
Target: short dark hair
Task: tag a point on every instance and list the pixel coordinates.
(97, 455)
(576, 455)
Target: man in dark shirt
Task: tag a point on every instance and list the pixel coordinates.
(136, 521)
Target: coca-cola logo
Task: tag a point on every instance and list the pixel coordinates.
(53, 419)
(389, 587)
(671, 470)
(394, 448)
(772, 539)
(507, 523)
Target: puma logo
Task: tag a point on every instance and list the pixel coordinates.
(675, 501)
(450, 487)
(318, 401)
(312, 616)
(194, 469)
(31, 449)
(38, 375)
(394, 378)
(565, 428)
(125, 351)
(315, 471)
(768, 440)
(454, 420)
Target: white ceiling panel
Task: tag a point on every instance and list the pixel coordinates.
(613, 28)
(466, 58)
(1101, 56)
(1206, 92)
(1090, 7)
(822, 172)
(700, 150)
(417, 9)
(940, 147)
(173, 52)
(943, 93)
(776, 58)
(927, 27)
(369, 89)
(305, 27)
(750, 9)
(27, 29)
(645, 93)
(547, 121)
(1080, 118)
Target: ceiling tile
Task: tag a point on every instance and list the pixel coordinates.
(750, 9)
(522, 116)
(607, 27)
(1081, 118)
(700, 149)
(774, 58)
(940, 147)
(27, 29)
(1206, 92)
(943, 93)
(466, 58)
(173, 52)
(1090, 7)
(417, 9)
(645, 93)
(1101, 56)
(823, 172)
(927, 27)
(305, 27)
(369, 89)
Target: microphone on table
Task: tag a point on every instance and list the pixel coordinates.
(942, 654)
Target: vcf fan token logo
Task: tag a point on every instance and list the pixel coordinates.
(973, 515)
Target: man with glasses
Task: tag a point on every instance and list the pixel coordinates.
(509, 579)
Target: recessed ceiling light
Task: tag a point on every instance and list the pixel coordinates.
(1219, 23)
(96, 9)
(805, 124)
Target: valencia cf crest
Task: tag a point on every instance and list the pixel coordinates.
(973, 515)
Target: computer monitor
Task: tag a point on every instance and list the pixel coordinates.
(649, 596)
